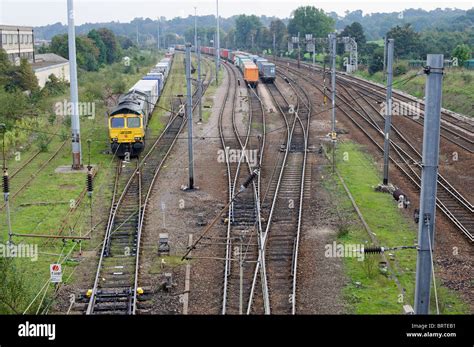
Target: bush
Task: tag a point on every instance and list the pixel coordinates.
(64, 134)
(51, 118)
(13, 106)
(118, 86)
(400, 68)
(376, 61)
(67, 121)
(43, 142)
(93, 91)
(54, 86)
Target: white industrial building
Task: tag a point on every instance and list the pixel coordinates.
(49, 63)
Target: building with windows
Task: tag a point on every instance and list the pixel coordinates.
(17, 41)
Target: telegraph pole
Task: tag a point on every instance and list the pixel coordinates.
(429, 178)
(189, 111)
(388, 111)
(75, 125)
(332, 45)
(384, 55)
(217, 44)
(299, 51)
(6, 185)
(199, 80)
(195, 29)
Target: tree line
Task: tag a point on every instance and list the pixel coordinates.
(99, 47)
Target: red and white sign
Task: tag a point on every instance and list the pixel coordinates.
(56, 273)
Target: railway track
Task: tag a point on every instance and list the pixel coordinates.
(450, 201)
(26, 181)
(286, 189)
(116, 282)
(243, 219)
(454, 130)
(404, 155)
(115, 289)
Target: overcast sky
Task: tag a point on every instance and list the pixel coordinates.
(39, 12)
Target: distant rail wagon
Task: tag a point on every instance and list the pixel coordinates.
(253, 67)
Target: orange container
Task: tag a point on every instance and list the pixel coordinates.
(251, 73)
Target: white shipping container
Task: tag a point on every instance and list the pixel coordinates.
(151, 88)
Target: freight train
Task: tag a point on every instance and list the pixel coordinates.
(252, 67)
(129, 118)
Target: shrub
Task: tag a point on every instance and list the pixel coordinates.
(43, 142)
(400, 68)
(118, 86)
(54, 86)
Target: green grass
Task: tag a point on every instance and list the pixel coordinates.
(458, 87)
(370, 291)
(208, 99)
(49, 186)
(175, 85)
(157, 266)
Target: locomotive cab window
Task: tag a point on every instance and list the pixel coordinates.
(133, 122)
(117, 122)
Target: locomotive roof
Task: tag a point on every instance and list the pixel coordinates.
(132, 102)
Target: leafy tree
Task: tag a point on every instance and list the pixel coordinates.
(264, 38)
(87, 53)
(376, 61)
(59, 45)
(444, 41)
(24, 78)
(205, 34)
(278, 28)
(229, 38)
(246, 27)
(462, 52)
(6, 68)
(355, 31)
(14, 105)
(310, 20)
(125, 42)
(94, 36)
(407, 42)
(171, 39)
(112, 46)
(44, 49)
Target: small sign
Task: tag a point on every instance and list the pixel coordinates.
(56, 273)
